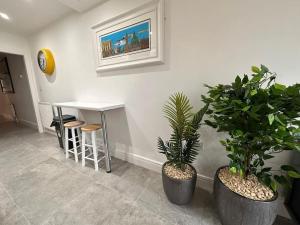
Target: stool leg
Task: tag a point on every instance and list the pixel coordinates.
(79, 138)
(95, 153)
(79, 135)
(74, 144)
(67, 142)
(83, 149)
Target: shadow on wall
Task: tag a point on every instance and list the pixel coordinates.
(50, 78)
(117, 126)
(139, 69)
(212, 154)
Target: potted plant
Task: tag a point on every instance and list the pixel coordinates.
(178, 175)
(261, 119)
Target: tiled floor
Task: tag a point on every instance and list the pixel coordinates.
(39, 186)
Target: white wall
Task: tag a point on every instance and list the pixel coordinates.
(207, 41)
(13, 44)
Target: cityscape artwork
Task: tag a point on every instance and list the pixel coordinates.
(130, 39)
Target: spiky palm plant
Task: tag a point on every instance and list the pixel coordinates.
(182, 148)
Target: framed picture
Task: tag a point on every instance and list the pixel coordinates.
(130, 39)
(6, 83)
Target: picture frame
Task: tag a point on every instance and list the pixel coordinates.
(6, 83)
(130, 39)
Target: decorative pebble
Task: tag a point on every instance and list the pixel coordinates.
(249, 187)
(176, 173)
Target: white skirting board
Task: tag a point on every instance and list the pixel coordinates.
(28, 123)
(50, 131)
(202, 181)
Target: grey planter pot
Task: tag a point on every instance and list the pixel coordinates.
(234, 209)
(179, 192)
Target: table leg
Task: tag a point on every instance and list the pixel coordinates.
(61, 123)
(106, 148)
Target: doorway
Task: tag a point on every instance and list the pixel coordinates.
(16, 102)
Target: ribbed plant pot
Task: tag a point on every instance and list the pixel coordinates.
(178, 191)
(234, 209)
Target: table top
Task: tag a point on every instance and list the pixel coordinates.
(94, 106)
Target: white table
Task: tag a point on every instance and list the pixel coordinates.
(101, 107)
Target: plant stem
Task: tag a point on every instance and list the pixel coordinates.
(247, 164)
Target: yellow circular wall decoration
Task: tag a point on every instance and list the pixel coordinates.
(46, 61)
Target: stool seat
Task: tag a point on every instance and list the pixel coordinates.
(73, 124)
(74, 128)
(91, 127)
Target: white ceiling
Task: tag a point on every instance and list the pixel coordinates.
(28, 16)
(80, 5)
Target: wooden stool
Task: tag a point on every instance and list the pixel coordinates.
(90, 128)
(75, 138)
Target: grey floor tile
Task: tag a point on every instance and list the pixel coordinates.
(125, 178)
(154, 198)
(132, 183)
(9, 212)
(95, 205)
(139, 216)
(201, 209)
(42, 189)
(18, 158)
(40, 140)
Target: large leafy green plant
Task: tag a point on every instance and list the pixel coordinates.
(262, 119)
(182, 148)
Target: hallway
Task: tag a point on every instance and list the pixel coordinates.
(44, 188)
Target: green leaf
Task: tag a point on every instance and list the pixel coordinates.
(270, 106)
(238, 80)
(241, 173)
(287, 168)
(291, 90)
(211, 124)
(271, 118)
(282, 180)
(253, 92)
(279, 121)
(223, 142)
(256, 78)
(267, 157)
(256, 162)
(264, 69)
(297, 147)
(253, 115)
(237, 133)
(273, 185)
(280, 87)
(255, 69)
(245, 79)
(266, 169)
(233, 170)
(246, 108)
(294, 174)
(232, 148)
(266, 180)
(230, 156)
